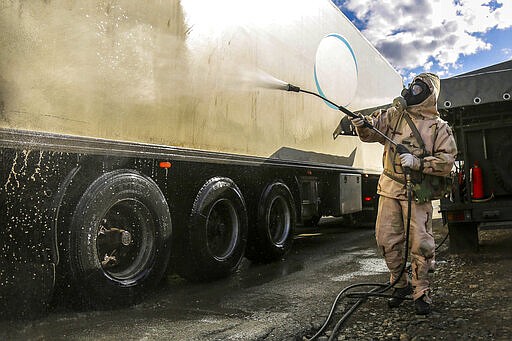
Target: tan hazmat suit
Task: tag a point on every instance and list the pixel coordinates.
(392, 213)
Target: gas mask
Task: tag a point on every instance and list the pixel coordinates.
(417, 92)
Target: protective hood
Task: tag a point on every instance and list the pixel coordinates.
(427, 108)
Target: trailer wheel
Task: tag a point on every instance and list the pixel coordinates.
(271, 236)
(217, 231)
(463, 237)
(118, 242)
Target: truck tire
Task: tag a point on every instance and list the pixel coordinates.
(217, 232)
(119, 239)
(463, 237)
(271, 235)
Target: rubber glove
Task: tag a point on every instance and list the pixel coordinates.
(358, 122)
(410, 161)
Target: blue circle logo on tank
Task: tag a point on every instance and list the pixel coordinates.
(336, 73)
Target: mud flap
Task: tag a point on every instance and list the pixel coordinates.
(463, 237)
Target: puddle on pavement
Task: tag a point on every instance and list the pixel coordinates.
(367, 266)
(261, 274)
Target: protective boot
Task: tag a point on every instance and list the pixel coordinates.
(421, 306)
(399, 294)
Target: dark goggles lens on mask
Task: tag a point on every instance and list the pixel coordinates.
(417, 92)
(416, 89)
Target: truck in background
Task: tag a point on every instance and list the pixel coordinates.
(478, 107)
(136, 135)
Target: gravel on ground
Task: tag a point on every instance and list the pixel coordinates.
(472, 296)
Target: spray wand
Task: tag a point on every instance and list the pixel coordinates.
(398, 102)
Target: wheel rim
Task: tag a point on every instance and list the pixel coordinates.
(125, 240)
(279, 221)
(222, 228)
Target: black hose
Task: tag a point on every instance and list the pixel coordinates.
(442, 242)
(375, 292)
(347, 315)
(335, 303)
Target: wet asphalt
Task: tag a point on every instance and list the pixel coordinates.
(285, 300)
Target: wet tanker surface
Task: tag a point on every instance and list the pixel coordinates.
(273, 302)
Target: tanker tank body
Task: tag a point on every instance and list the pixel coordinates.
(137, 135)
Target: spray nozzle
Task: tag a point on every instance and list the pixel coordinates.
(294, 88)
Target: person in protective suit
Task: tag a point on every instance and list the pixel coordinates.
(434, 155)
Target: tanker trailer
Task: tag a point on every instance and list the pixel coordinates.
(136, 135)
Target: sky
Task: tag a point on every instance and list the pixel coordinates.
(447, 37)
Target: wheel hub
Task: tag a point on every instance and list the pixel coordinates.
(126, 238)
(111, 240)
